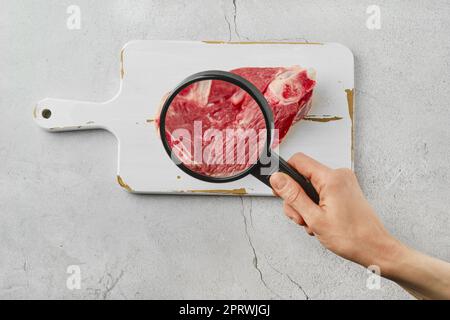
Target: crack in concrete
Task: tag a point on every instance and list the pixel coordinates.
(255, 256)
(235, 18)
(250, 212)
(235, 14)
(108, 282)
(295, 283)
(109, 289)
(229, 27)
(298, 286)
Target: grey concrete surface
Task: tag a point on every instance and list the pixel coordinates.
(60, 204)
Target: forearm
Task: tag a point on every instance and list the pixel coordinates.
(424, 276)
(346, 224)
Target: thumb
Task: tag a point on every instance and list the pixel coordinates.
(291, 192)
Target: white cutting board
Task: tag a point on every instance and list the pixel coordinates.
(149, 69)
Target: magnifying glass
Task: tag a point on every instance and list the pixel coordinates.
(218, 127)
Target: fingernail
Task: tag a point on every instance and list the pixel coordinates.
(278, 181)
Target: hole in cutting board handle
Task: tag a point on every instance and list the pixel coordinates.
(46, 114)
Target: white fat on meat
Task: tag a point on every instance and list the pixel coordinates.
(286, 80)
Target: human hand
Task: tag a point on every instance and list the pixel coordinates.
(343, 222)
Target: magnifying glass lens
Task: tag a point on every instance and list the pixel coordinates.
(215, 129)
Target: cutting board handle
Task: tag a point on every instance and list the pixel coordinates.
(68, 115)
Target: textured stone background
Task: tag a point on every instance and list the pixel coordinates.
(60, 204)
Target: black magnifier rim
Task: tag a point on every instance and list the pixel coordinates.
(231, 78)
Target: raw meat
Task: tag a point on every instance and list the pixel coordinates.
(221, 106)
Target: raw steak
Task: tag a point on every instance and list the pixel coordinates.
(220, 105)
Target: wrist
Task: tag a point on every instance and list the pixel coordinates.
(391, 254)
(383, 252)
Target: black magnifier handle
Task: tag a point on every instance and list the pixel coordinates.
(286, 168)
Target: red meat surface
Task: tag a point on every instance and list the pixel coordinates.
(220, 106)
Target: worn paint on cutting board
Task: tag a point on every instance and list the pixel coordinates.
(149, 69)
